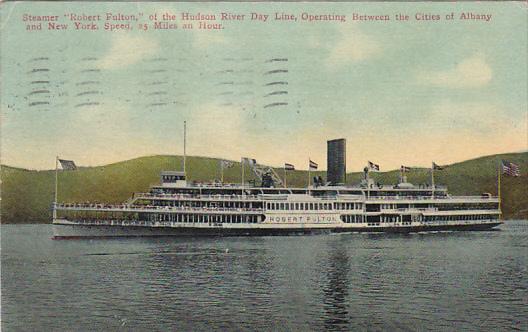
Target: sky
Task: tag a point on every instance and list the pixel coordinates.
(400, 92)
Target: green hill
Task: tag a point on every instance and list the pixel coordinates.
(27, 195)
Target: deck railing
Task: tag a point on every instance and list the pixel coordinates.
(123, 207)
(198, 196)
(466, 198)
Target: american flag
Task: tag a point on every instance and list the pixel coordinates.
(510, 169)
(313, 166)
(405, 169)
(289, 167)
(373, 167)
(67, 165)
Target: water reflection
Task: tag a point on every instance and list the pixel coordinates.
(336, 290)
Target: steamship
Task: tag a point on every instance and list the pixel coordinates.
(177, 207)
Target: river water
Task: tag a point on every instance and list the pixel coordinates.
(433, 281)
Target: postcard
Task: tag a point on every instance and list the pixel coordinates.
(178, 145)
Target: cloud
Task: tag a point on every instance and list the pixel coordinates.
(473, 72)
(126, 50)
(352, 46)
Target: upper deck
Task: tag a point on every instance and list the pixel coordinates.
(237, 189)
(308, 196)
(379, 194)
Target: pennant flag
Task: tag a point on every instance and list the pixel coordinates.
(510, 169)
(438, 167)
(249, 161)
(373, 167)
(289, 167)
(227, 164)
(405, 169)
(313, 166)
(67, 165)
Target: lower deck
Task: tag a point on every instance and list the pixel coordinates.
(104, 228)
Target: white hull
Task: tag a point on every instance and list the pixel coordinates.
(71, 230)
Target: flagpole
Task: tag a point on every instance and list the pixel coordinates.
(285, 176)
(368, 182)
(499, 187)
(242, 166)
(184, 148)
(56, 187)
(309, 172)
(221, 171)
(432, 180)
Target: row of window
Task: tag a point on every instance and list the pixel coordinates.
(359, 219)
(319, 206)
(209, 204)
(467, 206)
(205, 218)
(352, 219)
(402, 223)
(347, 206)
(404, 193)
(376, 219)
(442, 207)
(400, 206)
(461, 217)
(312, 206)
(392, 219)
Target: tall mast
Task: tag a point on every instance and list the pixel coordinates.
(242, 164)
(367, 176)
(432, 180)
(56, 177)
(309, 173)
(499, 171)
(56, 187)
(222, 171)
(184, 147)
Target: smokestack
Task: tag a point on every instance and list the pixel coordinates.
(336, 161)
